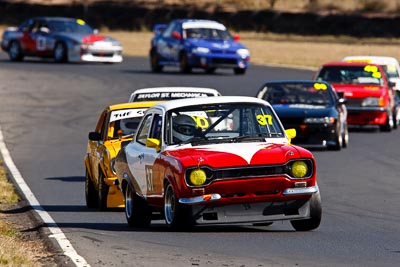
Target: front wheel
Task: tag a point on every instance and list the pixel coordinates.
(239, 71)
(184, 65)
(155, 66)
(90, 193)
(60, 53)
(387, 127)
(315, 215)
(102, 192)
(176, 215)
(15, 51)
(137, 212)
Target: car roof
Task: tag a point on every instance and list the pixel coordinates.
(143, 104)
(55, 18)
(174, 89)
(345, 63)
(295, 82)
(201, 23)
(382, 60)
(172, 104)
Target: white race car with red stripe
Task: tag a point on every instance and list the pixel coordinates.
(217, 160)
(63, 39)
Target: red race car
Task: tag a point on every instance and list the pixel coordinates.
(369, 93)
(216, 160)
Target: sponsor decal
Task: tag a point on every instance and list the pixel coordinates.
(245, 150)
(170, 95)
(127, 113)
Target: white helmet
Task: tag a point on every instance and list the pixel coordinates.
(183, 128)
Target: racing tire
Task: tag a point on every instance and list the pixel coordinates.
(137, 212)
(177, 216)
(60, 52)
(15, 51)
(90, 193)
(239, 71)
(396, 117)
(315, 215)
(387, 127)
(210, 70)
(102, 192)
(345, 137)
(155, 66)
(338, 140)
(183, 64)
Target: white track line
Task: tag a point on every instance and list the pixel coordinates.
(55, 231)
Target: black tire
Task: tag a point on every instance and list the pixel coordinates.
(239, 71)
(177, 216)
(137, 212)
(102, 192)
(315, 215)
(345, 136)
(395, 117)
(387, 127)
(90, 193)
(338, 139)
(15, 51)
(210, 70)
(60, 53)
(155, 66)
(183, 64)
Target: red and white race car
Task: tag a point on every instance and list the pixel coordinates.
(63, 39)
(217, 160)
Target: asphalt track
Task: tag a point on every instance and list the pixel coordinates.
(47, 110)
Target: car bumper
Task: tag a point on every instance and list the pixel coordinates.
(110, 55)
(207, 209)
(314, 135)
(367, 116)
(218, 61)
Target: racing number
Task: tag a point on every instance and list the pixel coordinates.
(41, 43)
(264, 119)
(149, 178)
(201, 122)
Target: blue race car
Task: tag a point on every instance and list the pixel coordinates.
(313, 108)
(192, 43)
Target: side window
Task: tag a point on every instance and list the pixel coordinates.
(144, 130)
(156, 127)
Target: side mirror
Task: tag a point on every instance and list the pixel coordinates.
(342, 101)
(392, 84)
(291, 133)
(236, 37)
(154, 143)
(159, 28)
(94, 136)
(95, 31)
(176, 35)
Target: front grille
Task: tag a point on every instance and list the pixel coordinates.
(354, 102)
(249, 172)
(227, 61)
(103, 54)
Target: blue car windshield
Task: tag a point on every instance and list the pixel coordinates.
(208, 33)
(70, 26)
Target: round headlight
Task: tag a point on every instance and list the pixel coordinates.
(299, 169)
(198, 177)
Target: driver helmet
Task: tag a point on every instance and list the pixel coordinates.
(183, 128)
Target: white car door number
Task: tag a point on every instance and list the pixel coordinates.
(41, 43)
(149, 178)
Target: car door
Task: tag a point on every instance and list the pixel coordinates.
(141, 158)
(27, 40)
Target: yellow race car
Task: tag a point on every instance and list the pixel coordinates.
(117, 124)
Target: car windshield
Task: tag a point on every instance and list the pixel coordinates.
(124, 122)
(298, 93)
(368, 74)
(391, 70)
(207, 33)
(73, 26)
(222, 123)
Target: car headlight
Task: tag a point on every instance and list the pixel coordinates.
(198, 177)
(372, 102)
(300, 169)
(320, 120)
(201, 50)
(243, 53)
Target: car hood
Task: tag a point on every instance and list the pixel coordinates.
(360, 90)
(237, 154)
(215, 45)
(86, 38)
(302, 110)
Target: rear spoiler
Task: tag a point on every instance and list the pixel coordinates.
(158, 28)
